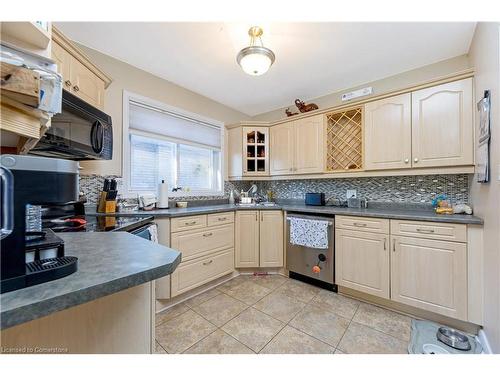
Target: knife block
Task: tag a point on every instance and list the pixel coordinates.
(106, 206)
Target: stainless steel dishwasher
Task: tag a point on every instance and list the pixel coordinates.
(300, 260)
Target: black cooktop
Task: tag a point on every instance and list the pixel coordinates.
(88, 223)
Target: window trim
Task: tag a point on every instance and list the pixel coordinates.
(126, 153)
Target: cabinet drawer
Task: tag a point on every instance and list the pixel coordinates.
(194, 243)
(194, 273)
(366, 224)
(180, 224)
(218, 219)
(422, 229)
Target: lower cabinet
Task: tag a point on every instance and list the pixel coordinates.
(206, 243)
(362, 261)
(430, 274)
(418, 269)
(194, 273)
(259, 239)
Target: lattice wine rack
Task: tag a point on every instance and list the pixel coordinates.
(345, 140)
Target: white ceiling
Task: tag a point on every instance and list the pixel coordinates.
(312, 59)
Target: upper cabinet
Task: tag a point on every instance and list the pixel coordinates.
(255, 151)
(309, 144)
(442, 130)
(81, 77)
(431, 127)
(415, 132)
(247, 150)
(282, 148)
(297, 147)
(388, 133)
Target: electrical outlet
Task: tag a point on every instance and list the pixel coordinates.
(351, 194)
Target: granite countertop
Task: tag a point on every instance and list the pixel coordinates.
(107, 263)
(392, 211)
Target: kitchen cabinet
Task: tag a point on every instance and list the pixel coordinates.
(442, 125)
(309, 145)
(206, 243)
(259, 239)
(282, 149)
(297, 147)
(247, 239)
(419, 264)
(80, 76)
(255, 151)
(388, 133)
(430, 274)
(271, 239)
(362, 256)
(162, 285)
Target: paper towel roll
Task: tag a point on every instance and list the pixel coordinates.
(162, 195)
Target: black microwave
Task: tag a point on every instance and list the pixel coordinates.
(79, 132)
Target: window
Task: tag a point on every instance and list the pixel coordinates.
(182, 151)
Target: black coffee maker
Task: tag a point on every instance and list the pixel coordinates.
(27, 182)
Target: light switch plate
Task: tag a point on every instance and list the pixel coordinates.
(351, 194)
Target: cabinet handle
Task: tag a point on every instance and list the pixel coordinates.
(394, 245)
(190, 223)
(407, 160)
(261, 216)
(207, 263)
(222, 218)
(385, 244)
(415, 160)
(359, 224)
(76, 88)
(425, 230)
(207, 234)
(67, 83)
(256, 216)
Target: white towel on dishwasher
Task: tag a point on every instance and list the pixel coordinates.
(309, 232)
(153, 233)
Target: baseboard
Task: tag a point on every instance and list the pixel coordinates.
(483, 339)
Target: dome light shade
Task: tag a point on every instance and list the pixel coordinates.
(255, 60)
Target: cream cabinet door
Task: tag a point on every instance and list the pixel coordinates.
(387, 135)
(271, 239)
(362, 261)
(442, 125)
(247, 239)
(162, 285)
(282, 148)
(309, 145)
(430, 274)
(63, 61)
(86, 85)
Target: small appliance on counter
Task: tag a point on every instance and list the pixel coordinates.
(315, 199)
(147, 202)
(31, 255)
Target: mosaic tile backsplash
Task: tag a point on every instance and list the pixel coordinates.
(407, 189)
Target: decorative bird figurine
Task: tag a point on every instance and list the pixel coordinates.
(305, 107)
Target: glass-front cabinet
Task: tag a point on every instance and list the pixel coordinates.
(255, 151)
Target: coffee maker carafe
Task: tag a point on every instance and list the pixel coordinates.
(27, 182)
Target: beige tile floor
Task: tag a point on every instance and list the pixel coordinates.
(273, 314)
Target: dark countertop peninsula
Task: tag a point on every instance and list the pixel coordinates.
(107, 263)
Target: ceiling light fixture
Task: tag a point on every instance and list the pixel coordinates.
(255, 59)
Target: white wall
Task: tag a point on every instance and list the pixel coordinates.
(485, 57)
(381, 86)
(127, 77)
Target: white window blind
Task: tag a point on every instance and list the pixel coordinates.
(174, 126)
(184, 152)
